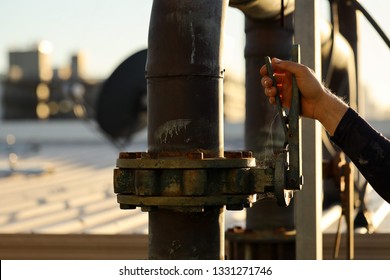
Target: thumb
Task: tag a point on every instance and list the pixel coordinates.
(285, 65)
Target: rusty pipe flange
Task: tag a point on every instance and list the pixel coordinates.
(148, 174)
(150, 180)
(185, 182)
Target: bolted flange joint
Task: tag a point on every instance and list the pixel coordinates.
(191, 182)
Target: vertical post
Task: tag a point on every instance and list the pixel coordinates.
(349, 213)
(308, 202)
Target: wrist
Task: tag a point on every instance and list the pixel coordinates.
(330, 111)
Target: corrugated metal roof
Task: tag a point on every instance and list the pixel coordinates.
(66, 185)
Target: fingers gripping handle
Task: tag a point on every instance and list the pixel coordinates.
(281, 112)
(288, 173)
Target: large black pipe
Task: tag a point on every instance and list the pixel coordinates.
(185, 76)
(185, 114)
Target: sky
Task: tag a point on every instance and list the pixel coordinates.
(108, 31)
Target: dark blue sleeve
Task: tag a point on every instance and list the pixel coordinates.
(368, 149)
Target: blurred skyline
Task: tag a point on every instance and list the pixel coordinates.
(106, 31)
(109, 31)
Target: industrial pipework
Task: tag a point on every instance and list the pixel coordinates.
(186, 178)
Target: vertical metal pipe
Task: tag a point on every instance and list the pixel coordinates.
(185, 76)
(185, 114)
(186, 235)
(263, 133)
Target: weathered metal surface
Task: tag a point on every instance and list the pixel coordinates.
(191, 184)
(185, 115)
(185, 77)
(193, 235)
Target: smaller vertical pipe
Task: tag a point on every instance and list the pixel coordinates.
(263, 132)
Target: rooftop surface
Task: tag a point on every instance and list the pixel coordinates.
(62, 182)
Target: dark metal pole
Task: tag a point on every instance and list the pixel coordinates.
(185, 114)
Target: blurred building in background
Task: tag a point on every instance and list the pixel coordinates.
(32, 89)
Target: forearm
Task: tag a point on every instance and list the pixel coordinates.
(330, 110)
(367, 148)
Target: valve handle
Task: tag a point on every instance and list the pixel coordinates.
(294, 173)
(288, 171)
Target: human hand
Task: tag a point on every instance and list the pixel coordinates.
(317, 102)
(311, 89)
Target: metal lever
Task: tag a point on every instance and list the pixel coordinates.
(294, 174)
(288, 174)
